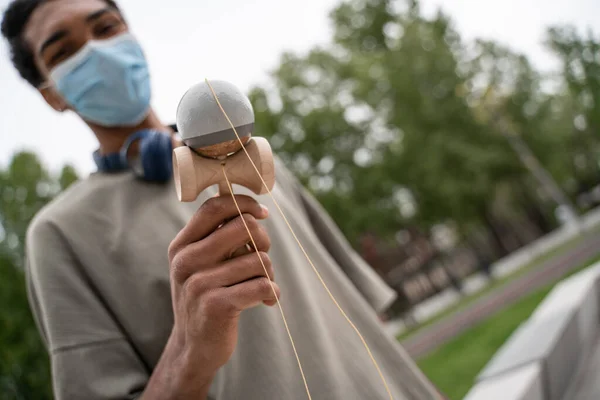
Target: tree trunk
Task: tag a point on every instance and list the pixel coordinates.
(495, 235)
(538, 219)
(484, 262)
(532, 209)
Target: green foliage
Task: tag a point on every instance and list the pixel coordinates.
(579, 57)
(24, 367)
(68, 176)
(392, 123)
(25, 187)
(580, 61)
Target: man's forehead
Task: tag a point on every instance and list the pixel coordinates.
(58, 14)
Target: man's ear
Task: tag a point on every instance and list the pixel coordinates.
(53, 99)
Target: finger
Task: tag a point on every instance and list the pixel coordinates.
(229, 273)
(242, 251)
(234, 234)
(247, 295)
(211, 215)
(270, 303)
(243, 268)
(221, 245)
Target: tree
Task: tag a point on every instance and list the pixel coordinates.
(24, 367)
(379, 124)
(579, 82)
(25, 187)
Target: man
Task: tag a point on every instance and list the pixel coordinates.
(135, 294)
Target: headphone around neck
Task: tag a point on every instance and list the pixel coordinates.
(154, 162)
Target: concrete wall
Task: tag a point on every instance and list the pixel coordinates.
(540, 359)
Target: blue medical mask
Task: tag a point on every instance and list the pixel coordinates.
(106, 82)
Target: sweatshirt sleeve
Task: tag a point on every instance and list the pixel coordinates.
(379, 295)
(90, 357)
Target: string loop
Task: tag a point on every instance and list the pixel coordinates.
(331, 296)
(269, 278)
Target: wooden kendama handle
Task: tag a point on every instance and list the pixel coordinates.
(194, 173)
(224, 188)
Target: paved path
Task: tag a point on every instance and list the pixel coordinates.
(442, 331)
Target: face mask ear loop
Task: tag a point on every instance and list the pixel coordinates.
(48, 85)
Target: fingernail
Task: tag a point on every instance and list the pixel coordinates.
(265, 209)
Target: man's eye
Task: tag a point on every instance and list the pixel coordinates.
(105, 29)
(58, 56)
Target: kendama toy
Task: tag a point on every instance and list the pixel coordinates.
(205, 116)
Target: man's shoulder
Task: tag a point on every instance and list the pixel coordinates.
(73, 203)
(284, 176)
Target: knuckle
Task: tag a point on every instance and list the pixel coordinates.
(266, 260)
(215, 304)
(264, 238)
(213, 206)
(195, 287)
(238, 225)
(210, 303)
(263, 286)
(178, 267)
(245, 201)
(251, 222)
(260, 264)
(172, 250)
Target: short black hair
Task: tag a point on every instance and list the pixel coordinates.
(15, 18)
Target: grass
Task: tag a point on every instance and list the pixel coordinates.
(454, 366)
(466, 301)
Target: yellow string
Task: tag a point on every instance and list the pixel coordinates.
(302, 248)
(270, 282)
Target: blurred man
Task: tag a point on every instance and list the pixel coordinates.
(135, 294)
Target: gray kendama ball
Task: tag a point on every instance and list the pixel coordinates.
(203, 126)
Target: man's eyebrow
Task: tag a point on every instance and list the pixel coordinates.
(58, 35)
(97, 14)
(55, 37)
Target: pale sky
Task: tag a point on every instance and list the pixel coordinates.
(240, 41)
